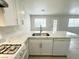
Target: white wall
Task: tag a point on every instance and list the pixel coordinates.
(62, 23)
(26, 28)
(14, 30)
(61, 26)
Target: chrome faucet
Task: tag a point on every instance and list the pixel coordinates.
(40, 30)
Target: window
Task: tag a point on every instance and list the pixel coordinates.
(54, 25)
(40, 21)
(73, 22)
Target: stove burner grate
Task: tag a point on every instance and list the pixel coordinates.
(9, 48)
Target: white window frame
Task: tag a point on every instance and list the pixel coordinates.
(40, 22)
(73, 22)
(55, 25)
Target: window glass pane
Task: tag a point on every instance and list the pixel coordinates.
(73, 22)
(54, 25)
(40, 21)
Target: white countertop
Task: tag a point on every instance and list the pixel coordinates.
(21, 38)
(59, 34)
(18, 39)
(64, 34)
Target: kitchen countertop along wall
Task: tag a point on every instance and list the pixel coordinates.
(22, 37)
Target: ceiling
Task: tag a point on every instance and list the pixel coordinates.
(40, 7)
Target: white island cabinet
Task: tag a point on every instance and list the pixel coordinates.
(40, 46)
(61, 46)
(47, 46)
(34, 46)
(8, 14)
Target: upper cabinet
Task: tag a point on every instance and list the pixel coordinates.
(8, 15)
(20, 11)
(13, 14)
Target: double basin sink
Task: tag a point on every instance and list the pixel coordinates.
(40, 34)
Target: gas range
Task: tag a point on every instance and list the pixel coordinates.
(9, 48)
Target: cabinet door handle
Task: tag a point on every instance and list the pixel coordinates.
(22, 22)
(17, 21)
(40, 45)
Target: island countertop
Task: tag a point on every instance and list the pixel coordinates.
(59, 34)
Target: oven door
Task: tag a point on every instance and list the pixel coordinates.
(21, 53)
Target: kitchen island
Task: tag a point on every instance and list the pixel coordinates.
(57, 44)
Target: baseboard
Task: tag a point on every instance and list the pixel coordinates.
(59, 56)
(47, 56)
(40, 55)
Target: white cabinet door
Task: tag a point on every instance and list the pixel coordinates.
(47, 46)
(1, 17)
(10, 13)
(41, 46)
(61, 46)
(20, 9)
(34, 46)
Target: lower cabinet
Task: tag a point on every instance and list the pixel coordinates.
(61, 46)
(40, 46)
(49, 46)
(34, 46)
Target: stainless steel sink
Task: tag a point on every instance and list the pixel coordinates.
(40, 34)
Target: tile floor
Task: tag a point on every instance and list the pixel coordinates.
(73, 51)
